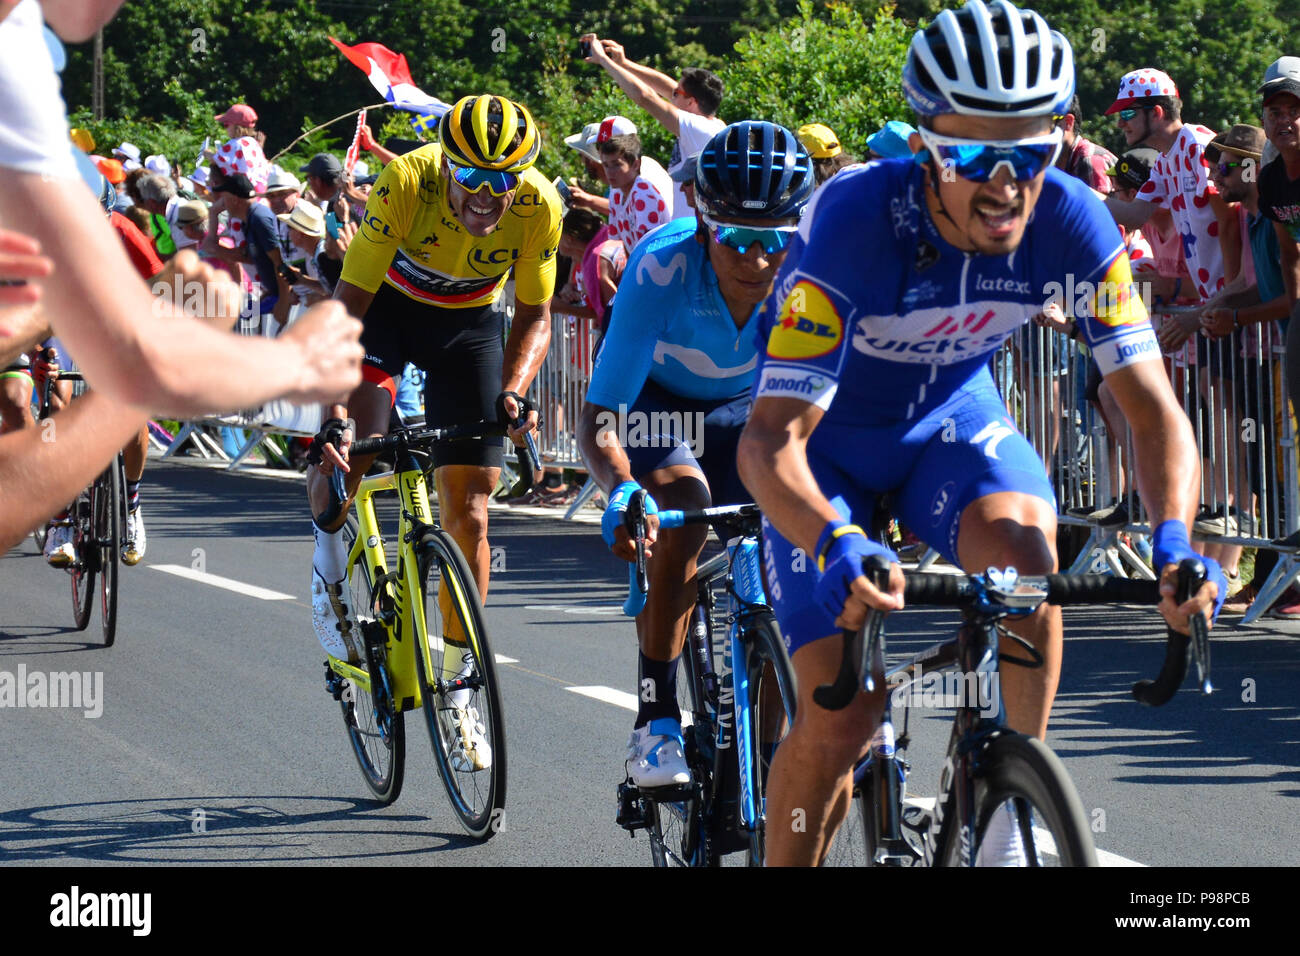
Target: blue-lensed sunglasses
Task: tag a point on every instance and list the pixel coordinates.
(472, 179)
(773, 239)
(979, 160)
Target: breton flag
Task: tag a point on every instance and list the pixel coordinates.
(389, 74)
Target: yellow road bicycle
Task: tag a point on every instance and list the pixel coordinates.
(426, 644)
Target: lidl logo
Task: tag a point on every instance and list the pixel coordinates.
(1116, 302)
(809, 325)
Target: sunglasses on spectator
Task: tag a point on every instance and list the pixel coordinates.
(979, 160)
(773, 238)
(1224, 167)
(472, 179)
(1128, 114)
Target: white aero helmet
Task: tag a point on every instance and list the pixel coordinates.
(989, 60)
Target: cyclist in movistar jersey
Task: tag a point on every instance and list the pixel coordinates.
(905, 276)
(444, 227)
(670, 391)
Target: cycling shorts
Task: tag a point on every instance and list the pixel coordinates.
(933, 468)
(461, 352)
(663, 429)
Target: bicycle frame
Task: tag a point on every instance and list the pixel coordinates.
(402, 618)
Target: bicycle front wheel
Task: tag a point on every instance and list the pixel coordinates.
(854, 843)
(1027, 783)
(458, 683)
(772, 697)
(377, 734)
(109, 502)
(85, 560)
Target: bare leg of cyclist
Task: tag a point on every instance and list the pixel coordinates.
(810, 784)
(15, 403)
(134, 454)
(661, 627)
(463, 493)
(1010, 529)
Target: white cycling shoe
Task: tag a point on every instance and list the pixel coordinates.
(134, 540)
(335, 623)
(655, 756)
(1002, 845)
(58, 545)
(471, 751)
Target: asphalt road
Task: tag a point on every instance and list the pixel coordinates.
(218, 744)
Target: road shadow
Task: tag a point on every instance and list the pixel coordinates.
(218, 830)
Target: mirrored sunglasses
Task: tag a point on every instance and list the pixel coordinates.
(472, 179)
(772, 239)
(979, 160)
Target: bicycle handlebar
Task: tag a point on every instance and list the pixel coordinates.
(951, 590)
(638, 586)
(405, 438)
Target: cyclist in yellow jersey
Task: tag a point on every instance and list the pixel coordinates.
(443, 228)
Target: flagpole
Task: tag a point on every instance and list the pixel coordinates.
(329, 123)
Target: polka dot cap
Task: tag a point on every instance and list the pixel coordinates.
(1141, 85)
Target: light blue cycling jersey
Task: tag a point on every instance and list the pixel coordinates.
(877, 319)
(670, 325)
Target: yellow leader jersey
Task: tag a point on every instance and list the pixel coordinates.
(410, 239)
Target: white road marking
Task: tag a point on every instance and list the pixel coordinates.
(576, 608)
(217, 581)
(609, 695)
(502, 659)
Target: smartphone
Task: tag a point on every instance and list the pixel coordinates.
(562, 188)
(585, 47)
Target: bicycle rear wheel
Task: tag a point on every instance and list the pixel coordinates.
(1024, 779)
(772, 698)
(109, 492)
(85, 560)
(458, 684)
(377, 735)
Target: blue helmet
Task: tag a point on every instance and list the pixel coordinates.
(753, 170)
(994, 60)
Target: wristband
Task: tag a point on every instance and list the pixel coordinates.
(1170, 544)
(835, 528)
(612, 519)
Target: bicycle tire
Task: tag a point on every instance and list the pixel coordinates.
(1023, 773)
(767, 662)
(110, 502)
(477, 796)
(854, 843)
(85, 557)
(381, 756)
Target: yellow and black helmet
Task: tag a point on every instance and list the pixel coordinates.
(469, 140)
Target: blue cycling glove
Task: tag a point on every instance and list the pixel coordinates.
(612, 519)
(1170, 545)
(841, 548)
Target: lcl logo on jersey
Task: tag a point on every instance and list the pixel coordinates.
(490, 259)
(372, 221)
(809, 325)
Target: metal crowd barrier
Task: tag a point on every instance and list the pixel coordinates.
(1234, 393)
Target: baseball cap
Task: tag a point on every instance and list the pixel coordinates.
(281, 180)
(306, 217)
(820, 141)
(323, 165)
(1133, 169)
(1282, 76)
(241, 114)
(112, 170)
(200, 175)
(82, 140)
(891, 141)
(1138, 85)
(684, 172)
(236, 184)
(188, 213)
(612, 126)
(1240, 140)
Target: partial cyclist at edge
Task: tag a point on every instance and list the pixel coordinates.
(680, 356)
(905, 276)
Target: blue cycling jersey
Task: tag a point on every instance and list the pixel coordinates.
(670, 325)
(875, 318)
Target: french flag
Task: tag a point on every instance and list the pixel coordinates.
(389, 74)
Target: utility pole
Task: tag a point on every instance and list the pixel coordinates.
(97, 78)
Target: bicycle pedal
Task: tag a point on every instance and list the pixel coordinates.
(677, 793)
(333, 682)
(631, 815)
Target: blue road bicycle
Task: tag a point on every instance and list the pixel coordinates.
(737, 696)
